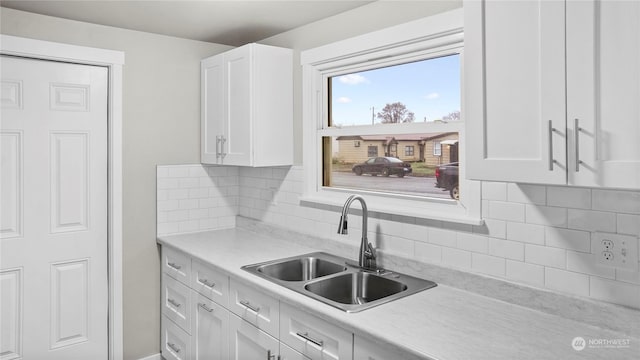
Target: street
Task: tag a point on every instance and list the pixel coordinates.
(423, 186)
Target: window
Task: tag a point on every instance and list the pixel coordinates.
(437, 148)
(408, 151)
(401, 101)
(372, 151)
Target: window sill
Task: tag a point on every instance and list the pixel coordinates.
(419, 210)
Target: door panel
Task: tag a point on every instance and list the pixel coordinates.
(603, 88)
(54, 205)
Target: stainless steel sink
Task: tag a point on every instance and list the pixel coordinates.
(338, 282)
(301, 269)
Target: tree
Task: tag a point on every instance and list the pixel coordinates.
(395, 113)
(454, 116)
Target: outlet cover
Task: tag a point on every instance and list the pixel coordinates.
(615, 250)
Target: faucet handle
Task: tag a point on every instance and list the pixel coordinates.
(371, 251)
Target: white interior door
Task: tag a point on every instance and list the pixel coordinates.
(53, 221)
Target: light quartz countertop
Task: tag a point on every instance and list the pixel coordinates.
(442, 323)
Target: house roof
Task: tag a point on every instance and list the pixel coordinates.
(399, 137)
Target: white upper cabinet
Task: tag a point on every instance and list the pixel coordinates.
(526, 89)
(247, 107)
(603, 93)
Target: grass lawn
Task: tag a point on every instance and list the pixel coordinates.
(419, 169)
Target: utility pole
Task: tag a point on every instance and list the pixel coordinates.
(373, 110)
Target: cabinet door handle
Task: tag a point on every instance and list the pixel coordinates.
(551, 130)
(204, 306)
(173, 347)
(576, 139)
(255, 309)
(174, 303)
(218, 146)
(206, 283)
(306, 336)
(269, 356)
(174, 265)
(222, 141)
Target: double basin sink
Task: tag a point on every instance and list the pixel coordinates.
(337, 282)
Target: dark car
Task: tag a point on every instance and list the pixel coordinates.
(383, 165)
(447, 179)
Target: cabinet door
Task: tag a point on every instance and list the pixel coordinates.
(287, 353)
(603, 92)
(238, 81)
(212, 92)
(249, 342)
(210, 329)
(514, 71)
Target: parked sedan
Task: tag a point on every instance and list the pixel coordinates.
(447, 179)
(385, 166)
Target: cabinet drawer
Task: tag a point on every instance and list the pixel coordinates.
(176, 264)
(254, 307)
(174, 341)
(314, 337)
(210, 282)
(176, 298)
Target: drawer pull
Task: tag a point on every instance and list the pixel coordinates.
(174, 303)
(248, 305)
(204, 306)
(269, 356)
(306, 336)
(175, 266)
(206, 283)
(173, 347)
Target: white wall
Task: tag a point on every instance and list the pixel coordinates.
(161, 125)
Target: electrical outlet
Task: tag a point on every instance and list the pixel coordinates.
(615, 250)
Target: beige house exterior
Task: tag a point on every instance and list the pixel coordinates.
(433, 149)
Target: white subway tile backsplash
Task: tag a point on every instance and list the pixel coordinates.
(506, 249)
(566, 281)
(628, 224)
(563, 196)
(533, 234)
(542, 255)
(428, 252)
(501, 210)
(528, 233)
(586, 264)
(589, 220)
(568, 239)
(456, 258)
(527, 194)
(524, 272)
(487, 264)
(545, 215)
(617, 201)
(494, 191)
(472, 242)
(615, 291)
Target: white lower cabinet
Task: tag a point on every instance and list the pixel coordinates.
(255, 307)
(312, 336)
(249, 342)
(287, 353)
(209, 329)
(176, 298)
(175, 342)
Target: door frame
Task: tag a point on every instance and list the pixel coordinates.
(114, 61)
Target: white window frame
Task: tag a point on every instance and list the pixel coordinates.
(430, 37)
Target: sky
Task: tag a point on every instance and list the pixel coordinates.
(428, 88)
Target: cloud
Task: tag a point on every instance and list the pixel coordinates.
(344, 100)
(353, 79)
(432, 96)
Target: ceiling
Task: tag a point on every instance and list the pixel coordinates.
(232, 23)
